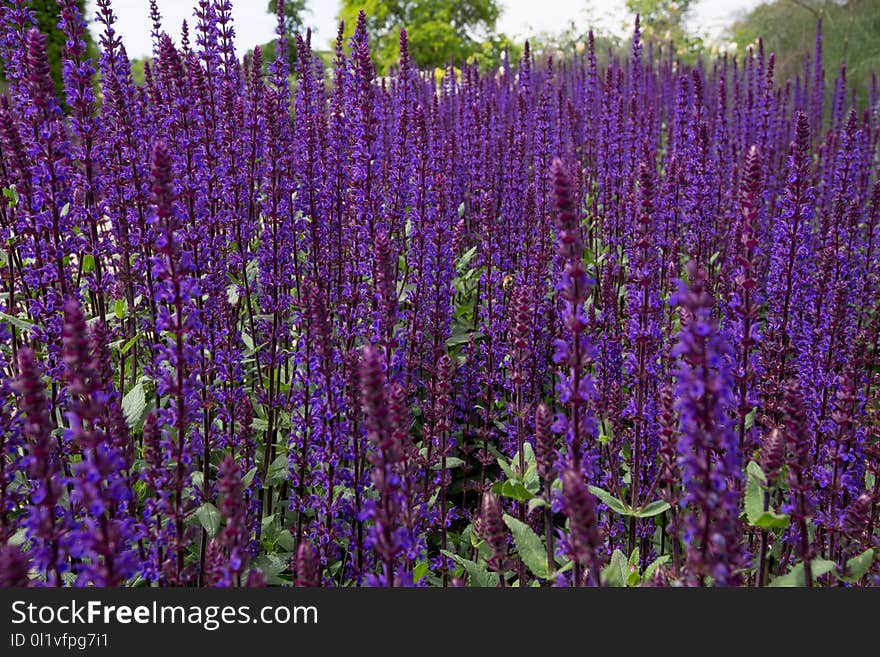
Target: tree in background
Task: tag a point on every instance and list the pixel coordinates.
(490, 53)
(47, 14)
(293, 14)
(293, 11)
(851, 31)
(666, 20)
(573, 39)
(439, 30)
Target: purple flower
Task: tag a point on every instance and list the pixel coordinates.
(45, 522)
(386, 457)
(708, 452)
(575, 386)
(489, 526)
(307, 567)
(584, 538)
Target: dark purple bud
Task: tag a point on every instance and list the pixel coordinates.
(584, 538)
(856, 518)
(76, 359)
(256, 579)
(490, 526)
(773, 451)
(545, 443)
(14, 566)
(307, 566)
(35, 406)
(39, 77)
(162, 187)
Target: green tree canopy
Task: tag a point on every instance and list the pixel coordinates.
(439, 30)
(666, 20)
(293, 11)
(851, 31)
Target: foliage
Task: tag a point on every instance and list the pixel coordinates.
(293, 11)
(851, 32)
(294, 23)
(663, 20)
(439, 31)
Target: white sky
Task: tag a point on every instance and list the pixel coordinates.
(520, 18)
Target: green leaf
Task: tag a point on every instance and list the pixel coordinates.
(530, 547)
(17, 322)
(754, 499)
(277, 471)
(512, 489)
(505, 467)
(568, 565)
(754, 470)
(772, 520)
(120, 308)
(528, 456)
(606, 431)
(613, 503)
(750, 419)
(652, 509)
(632, 577)
(248, 478)
(795, 577)
(614, 574)
(536, 502)
(88, 263)
(232, 294)
(270, 526)
(530, 478)
(130, 343)
(272, 565)
(419, 572)
(634, 559)
(19, 537)
(461, 210)
(134, 405)
(286, 541)
(466, 257)
(463, 338)
(451, 462)
(653, 566)
(12, 194)
(248, 341)
(857, 566)
(209, 516)
(479, 575)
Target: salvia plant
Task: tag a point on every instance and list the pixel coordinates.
(555, 324)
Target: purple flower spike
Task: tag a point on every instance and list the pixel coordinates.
(708, 450)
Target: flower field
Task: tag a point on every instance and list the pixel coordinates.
(561, 323)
